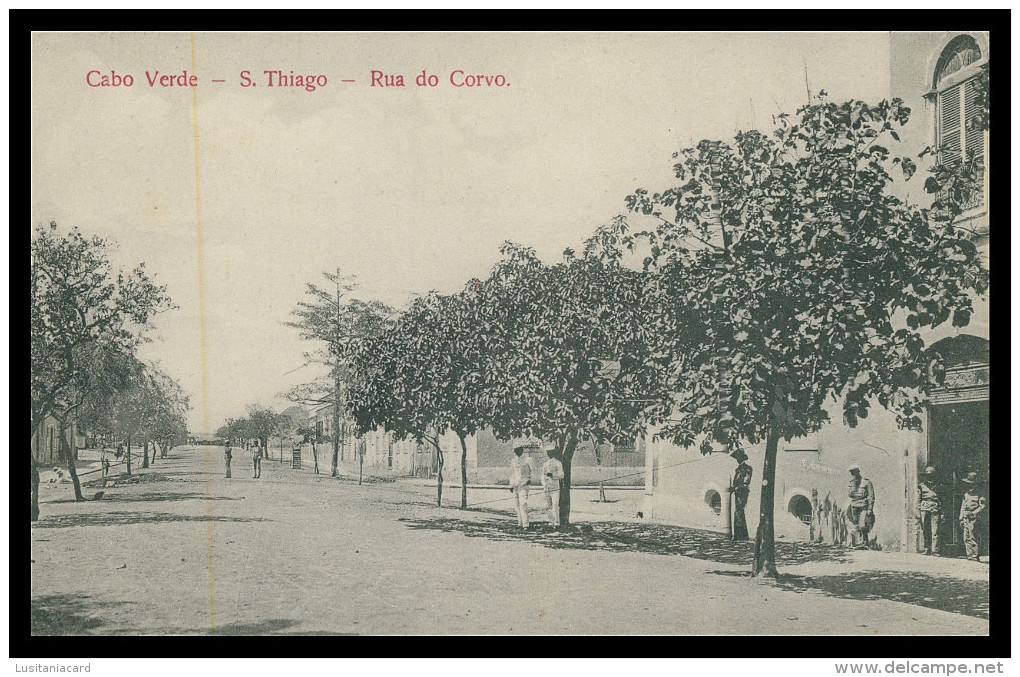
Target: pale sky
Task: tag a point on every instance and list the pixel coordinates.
(408, 188)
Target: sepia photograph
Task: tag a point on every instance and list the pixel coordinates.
(511, 334)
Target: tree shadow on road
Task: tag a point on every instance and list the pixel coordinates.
(154, 496)
(68, 614)
(107, 519)
(961, 596)
(270, 626)
(659, 539)
(127, 480)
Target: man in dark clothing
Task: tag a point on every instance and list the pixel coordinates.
(741, 488)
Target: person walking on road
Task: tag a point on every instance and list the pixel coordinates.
(930, 509)
(860, 514)
(973, 517)
(552, 473)
(227, 455)
(520, 478)
(256, 458)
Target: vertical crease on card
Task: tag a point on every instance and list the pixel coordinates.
(201, 335)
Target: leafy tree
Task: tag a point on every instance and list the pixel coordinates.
(235, 429)
(801, 277)
(131, 411)
(568, 354)
(305, 432)
(424, 376)
(103, 374)
(95, 414)
(336, 323)
(152, 409)
(79, 301)
(168, 409)
(264, 423)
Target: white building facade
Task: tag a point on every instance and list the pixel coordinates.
(935, 74)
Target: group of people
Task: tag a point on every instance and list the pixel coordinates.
(254, 447)
(973, 515)
(520, 482)
(860, 513)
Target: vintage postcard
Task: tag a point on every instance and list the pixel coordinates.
(510, 333)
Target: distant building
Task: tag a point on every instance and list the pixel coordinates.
(46, 442)
(488, 459)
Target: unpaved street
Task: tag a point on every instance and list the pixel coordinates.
(187, 551)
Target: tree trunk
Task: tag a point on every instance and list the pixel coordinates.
(439, 474)
(463, 470)
(598, 463)
(145, 454)
(566, 458)
(65, 450)
(127, 455)
(336, 428)
(35, 490)
(315, 457)
(36, 425)
(765, 541)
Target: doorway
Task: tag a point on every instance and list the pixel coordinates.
(958, 443)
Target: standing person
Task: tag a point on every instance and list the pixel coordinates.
(520, 478)
(227, 455)
(256, 458)
(741, 488)
(552, 473)
(104, 460)
(930, 508)
(295, 451)
(973, 517)
(860, 514)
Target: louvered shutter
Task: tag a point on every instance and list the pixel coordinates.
(974, 139)
(949, 126)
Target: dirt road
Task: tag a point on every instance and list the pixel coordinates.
(187, 551)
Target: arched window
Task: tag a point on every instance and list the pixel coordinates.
(961, 52)
(958, 102)
(714, 501)
(800, 507)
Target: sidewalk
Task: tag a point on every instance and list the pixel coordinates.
(624, 503)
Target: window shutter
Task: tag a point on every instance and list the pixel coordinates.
(949, 125)
(974, 141)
